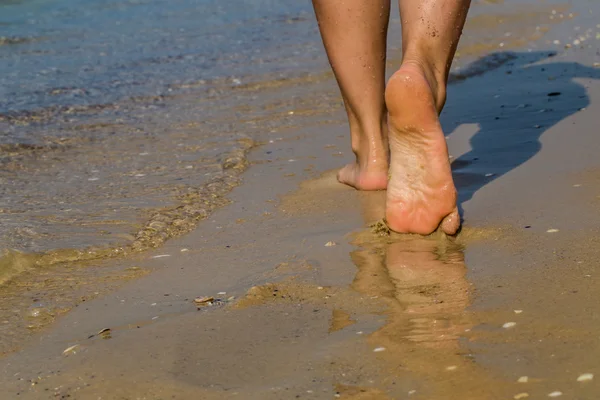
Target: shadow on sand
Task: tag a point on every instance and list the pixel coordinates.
(513, 98)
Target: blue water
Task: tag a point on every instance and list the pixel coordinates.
(82, 52)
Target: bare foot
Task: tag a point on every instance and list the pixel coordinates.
(421, 195)
(355, 176)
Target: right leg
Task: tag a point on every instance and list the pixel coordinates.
(354, 34)
(421, 195)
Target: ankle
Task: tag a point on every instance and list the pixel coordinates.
(435, 79)
(370, 145)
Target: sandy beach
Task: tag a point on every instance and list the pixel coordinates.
(288, 286)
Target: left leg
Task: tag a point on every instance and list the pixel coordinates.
(354, 34)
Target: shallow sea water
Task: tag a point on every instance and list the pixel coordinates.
(112, 110)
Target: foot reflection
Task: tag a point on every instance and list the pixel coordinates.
(423, 282)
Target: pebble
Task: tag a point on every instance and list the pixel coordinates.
(379, 349)
(330, 244)
(518, 311)
(509, 325)
(521, 396)
(140, 175)
(184, 250)
(222, 293)
(451, 368)
(203, 301)
(555, 394)
(93, 179)
(161, 256)
(71, 350)
(552, 230)
(523, 379)
(412, 392)
(585, 377)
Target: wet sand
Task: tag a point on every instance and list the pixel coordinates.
(310, 302)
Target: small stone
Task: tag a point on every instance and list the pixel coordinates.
(71, 350)
(555, 394)
(410, 392)
(509, 325)
(184, 250)
(552, 230)
(518, 311)
(379, 349)
(204, 301)
(451, 368)
(330, 244)
(161, 256)
(521, 396)
(585, 377)
(523, 379)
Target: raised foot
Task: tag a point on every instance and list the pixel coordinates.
(421, 195)
(354, 176)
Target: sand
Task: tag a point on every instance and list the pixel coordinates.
(311, 302)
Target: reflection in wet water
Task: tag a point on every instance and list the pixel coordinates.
(423, 282)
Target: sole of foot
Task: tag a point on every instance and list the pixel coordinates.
(421, 195)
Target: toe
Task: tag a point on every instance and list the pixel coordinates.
(451, 222)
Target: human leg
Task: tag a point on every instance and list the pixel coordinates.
(354, 34)
(421, 194)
